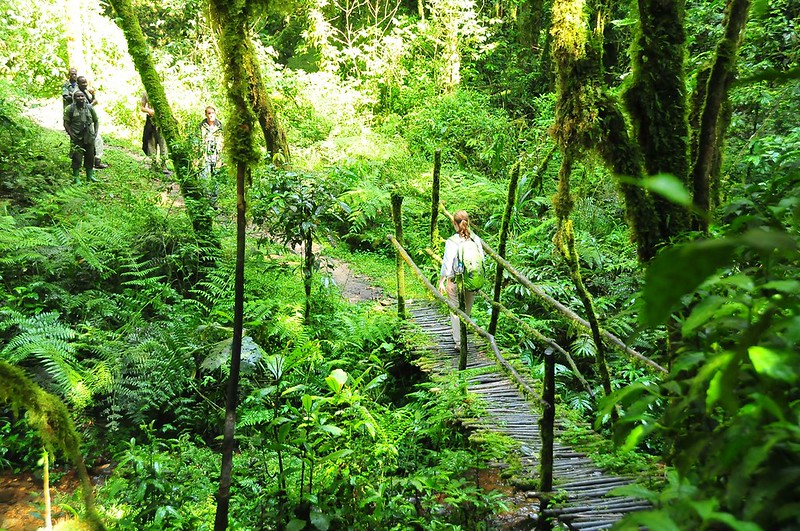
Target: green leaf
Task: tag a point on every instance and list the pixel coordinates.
(785, 286)
(638, 434)
(717, 370)
(336, 380)
(669, 187)
(772, 363)
(307, 402)
(701, 313)
(333, 430)
(635, 491)
(715, 390)
(653, 520)
(295, 525)
(622, 396)
(734, 524)
(678, 271)
(320, 521)
(338, 454)
(768, 241)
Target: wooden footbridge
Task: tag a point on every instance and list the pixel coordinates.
(509, 411)
(513, 405)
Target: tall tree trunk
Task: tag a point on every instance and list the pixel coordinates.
(274, 134)
(710, 97)
(197, 204)
(530, 19)
(589, 118)
(234, 18)
(656, 100)
(232, 399)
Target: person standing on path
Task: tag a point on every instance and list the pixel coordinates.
(81, 124)
(69, 86)
(451, 267)
(91, 99)
(211, 145)
(153, 144)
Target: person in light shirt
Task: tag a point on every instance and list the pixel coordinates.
(450, 266)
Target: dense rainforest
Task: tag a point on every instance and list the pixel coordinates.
(176, 342)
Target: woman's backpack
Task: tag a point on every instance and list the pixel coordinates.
(470, 264)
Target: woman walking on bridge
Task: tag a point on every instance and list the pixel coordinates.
(456, 248)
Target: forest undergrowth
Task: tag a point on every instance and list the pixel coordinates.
(650, 185)
(105, 301)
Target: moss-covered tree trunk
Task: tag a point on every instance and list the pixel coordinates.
(274, 134)
(709, 99)
(233, 19)
(589, 118)
(197, 203)
(656, 101)
(530, 19)
(49, 417)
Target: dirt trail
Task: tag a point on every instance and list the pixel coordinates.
(355, 288)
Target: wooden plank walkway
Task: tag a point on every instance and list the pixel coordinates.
(587, 506)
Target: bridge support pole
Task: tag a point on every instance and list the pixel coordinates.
(501, 249)
(462, 305)
(397, 216)
(437, 168)
(546, 425)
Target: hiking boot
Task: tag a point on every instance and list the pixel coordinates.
(98, 164)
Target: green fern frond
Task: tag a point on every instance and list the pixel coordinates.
(583, 347)
(365, 204)
(217, 286)
(22, 245)
(254, 417)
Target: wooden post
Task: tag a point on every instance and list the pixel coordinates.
(462, 347)
(546, 424)
(48, 513)
(501, 247)
(397, 217)
(437, 168)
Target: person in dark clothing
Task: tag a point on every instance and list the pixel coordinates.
(153, 144)
(69, 86)
(81, 124)
(91, 99)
